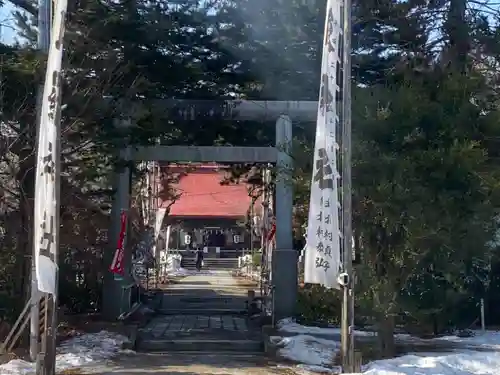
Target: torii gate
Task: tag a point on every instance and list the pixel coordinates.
(116, 296)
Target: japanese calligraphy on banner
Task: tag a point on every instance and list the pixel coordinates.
(117, 266)
(160, 215)
(46, 206)
(322, 253)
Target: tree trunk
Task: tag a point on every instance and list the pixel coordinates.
(26, 180)
(458, 33)
(386, 336)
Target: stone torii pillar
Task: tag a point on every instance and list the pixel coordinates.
(284, 258)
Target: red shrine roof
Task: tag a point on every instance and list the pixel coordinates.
(202, 195)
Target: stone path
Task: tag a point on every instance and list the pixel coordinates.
(204, 311)
(206, 290)
(189, 364)
(173, 324)
(201, 336)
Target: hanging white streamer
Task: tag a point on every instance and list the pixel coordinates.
(46, 205)
(322, 253)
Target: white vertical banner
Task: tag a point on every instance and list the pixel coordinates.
(322, 252)
(46, 207)
(160, 214)
(167, 238)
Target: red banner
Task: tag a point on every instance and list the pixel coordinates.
(117, 263)
(272, 232)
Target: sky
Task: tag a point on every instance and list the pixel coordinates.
(7, 32)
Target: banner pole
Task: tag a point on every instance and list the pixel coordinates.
(47, 203)
(43, 37)
(348, 300)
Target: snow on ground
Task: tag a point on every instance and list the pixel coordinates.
(288, 325)
(178, 272)
(464, 363)
(79, 351)
(247, 269)
(314, 352)
(315, 348)
(172, 267)
(484, 340)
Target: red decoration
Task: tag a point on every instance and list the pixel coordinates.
(272, 232)
(117, 263)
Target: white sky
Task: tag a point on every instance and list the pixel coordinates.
(8, 33)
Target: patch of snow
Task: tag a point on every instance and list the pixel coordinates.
(465, 363)
(289, 326)
(173, 268)
(178, 272)
(307, 349)
(316, 354)
(480, 339)
(308, 369)
(247, 269)
(76, 352)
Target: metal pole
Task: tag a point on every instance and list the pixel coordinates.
(483, 321)
(348, 300)
(344, 344)
(43, 42)
(251, 233)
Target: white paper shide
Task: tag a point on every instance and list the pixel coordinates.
(46, 206)
(322, 254)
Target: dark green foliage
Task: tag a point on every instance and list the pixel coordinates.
(425, 135)
(318, 306)
(281, 46)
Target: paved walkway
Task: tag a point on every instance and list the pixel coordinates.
(198, 342)
(216, 290)
(172, 324)
(206, 280)
(189, 364)
(204, 311)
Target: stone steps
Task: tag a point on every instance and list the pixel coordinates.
(208, 311)
(202, 345)
(200, 333)
(211, 263)
(209, 304)
(204, 312)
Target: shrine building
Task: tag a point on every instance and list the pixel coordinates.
(207, 214)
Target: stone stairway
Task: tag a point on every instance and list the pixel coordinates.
(203, 312)
(211, 263)
(201, 333)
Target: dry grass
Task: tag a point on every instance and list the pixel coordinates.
(72, 325)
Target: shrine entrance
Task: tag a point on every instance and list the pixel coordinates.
(282, 284)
